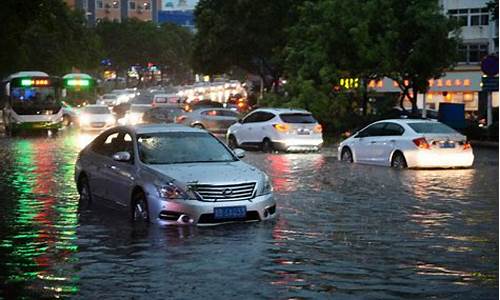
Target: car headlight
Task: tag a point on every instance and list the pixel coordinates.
(170, 191)
(266, 187)
(84, 119)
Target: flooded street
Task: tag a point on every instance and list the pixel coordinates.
(343, 232)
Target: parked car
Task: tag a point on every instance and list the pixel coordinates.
(162, 114)
(172, 174)
(95, 117)
(135, 114)
(411, 143)
(216, 120)
(277, 129)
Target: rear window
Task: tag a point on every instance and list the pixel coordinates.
(431, 128)
(297, 118)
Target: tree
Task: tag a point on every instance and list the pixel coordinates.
(415, 44)
(249, 34)
(45, 35)
(134, 42)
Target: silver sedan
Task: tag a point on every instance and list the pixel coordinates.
(216, 120)
(172, 174)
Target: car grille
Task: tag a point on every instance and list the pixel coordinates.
(228, 192)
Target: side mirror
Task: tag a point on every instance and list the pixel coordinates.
(122, 156)
(240, 153)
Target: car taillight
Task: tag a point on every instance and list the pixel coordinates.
(421, 143)
(281, 127)
(180, 119)
(467, 146)
(318, 128)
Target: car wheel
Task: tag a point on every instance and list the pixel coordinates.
(346, 155)
(85, 193)
(139, 211)
(199, 126)
(398, 161)
(267, 146)
(232, 142)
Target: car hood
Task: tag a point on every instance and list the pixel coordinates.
(210, 173)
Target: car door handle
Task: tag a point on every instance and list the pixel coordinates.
(373, 142)
(392, 141)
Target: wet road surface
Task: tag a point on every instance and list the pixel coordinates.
(344, 232)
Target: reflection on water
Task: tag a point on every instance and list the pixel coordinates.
(343, 231)
(43, 224)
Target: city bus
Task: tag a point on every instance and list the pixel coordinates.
(31, 103)
(79, 89)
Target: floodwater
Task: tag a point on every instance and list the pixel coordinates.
(343, 232)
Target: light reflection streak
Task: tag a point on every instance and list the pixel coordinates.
(44, 235)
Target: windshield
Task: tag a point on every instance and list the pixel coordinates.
(96, 110)
(431, 128)
(30, 100)
(182, 147)
(297, 118)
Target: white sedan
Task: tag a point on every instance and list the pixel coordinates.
(95, 117)
(408, 143)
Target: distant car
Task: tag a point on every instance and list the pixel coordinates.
(135, 114)
(162, 114)
(108, 99)
(202, 104)
(95, 117)
(408, 143)
(166, 100)
(277, 129)
(172, 174)
(216, 120)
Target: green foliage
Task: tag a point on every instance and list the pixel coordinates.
(45, 35)
(136, 42)
(249, 34)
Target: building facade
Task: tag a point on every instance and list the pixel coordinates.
(462, 84)
(117, 10)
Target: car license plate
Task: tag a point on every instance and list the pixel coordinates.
(447, 145)
(303, 131)
(98, 124)
(231, 212)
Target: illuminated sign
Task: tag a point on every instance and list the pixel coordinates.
(349, 83)
(78, 82)
(34, 82)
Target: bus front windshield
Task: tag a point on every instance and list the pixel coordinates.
(26, 100)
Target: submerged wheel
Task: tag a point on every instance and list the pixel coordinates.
(267, 146)
(85, 193)
(346, 155)
(139, 211)
(398, 161)
(232, 142)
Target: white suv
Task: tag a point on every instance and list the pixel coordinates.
(277, 129)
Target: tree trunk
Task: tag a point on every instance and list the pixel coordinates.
(364, 99)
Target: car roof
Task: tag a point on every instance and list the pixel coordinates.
(406, 121)
(160, 128)
(282, 110)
